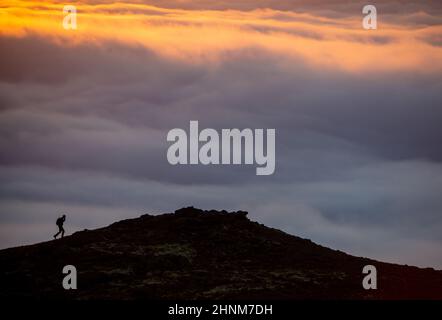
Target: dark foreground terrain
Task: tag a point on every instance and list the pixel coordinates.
(195, 254)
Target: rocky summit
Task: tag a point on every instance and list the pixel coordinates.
(196, 254)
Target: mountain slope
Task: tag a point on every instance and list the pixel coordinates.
(195, 254)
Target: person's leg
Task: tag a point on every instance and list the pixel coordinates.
(59, 231)
(62, 232)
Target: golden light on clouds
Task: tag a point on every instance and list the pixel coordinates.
(196, 35)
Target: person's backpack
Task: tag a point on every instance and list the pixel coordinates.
(59, 221)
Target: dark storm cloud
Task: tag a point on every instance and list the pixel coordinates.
(117, 111)
(39, 60)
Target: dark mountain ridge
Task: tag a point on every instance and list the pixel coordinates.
(196, 254)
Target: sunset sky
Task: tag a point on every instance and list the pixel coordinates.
(84, 116)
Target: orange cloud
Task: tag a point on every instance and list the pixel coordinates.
(201, 35)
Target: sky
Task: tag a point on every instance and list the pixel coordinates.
(84, 116)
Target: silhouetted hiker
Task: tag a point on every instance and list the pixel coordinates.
(59, 223)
